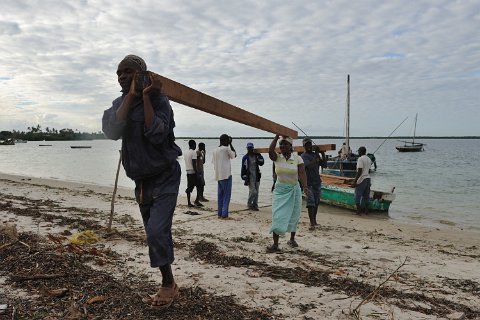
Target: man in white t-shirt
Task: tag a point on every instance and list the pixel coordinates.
(190, 157)
(221, 157)
(362, 181)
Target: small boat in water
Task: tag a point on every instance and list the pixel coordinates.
(411, 146)
(7, 142)
(336, 191)
(44, 145)
(20, 141)
(80, 147)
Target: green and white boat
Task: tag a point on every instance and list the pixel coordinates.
(337, 192)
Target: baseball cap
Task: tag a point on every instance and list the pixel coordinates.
(249, 145)
(306, 140)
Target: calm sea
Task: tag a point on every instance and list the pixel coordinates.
(440, 186)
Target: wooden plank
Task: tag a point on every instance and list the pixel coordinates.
(195, 99)
(336, 180)
(323, 147)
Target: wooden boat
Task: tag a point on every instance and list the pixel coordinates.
(411, 146)
(336, 191)
(344, 165)
(44, 145)
(80, 147)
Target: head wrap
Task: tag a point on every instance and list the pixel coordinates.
(134, 62)
(287, 139)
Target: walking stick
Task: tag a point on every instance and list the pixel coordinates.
(112, 206)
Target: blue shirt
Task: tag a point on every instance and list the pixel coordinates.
(312, 168)
(146, 152)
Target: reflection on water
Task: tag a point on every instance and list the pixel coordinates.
(438, 186)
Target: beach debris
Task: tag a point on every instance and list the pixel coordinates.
(84, 237)
(96, 299)
(9, 230)
(356, 312)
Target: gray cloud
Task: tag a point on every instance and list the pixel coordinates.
(286, 61)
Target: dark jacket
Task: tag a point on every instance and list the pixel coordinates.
(145, 152)
(245, 173)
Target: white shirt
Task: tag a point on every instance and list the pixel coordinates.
(287, 170)
(363, 163)
(189, 156)
(221, 162)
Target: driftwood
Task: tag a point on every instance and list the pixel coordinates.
(356, 311)
(112, 205)
(192, 98)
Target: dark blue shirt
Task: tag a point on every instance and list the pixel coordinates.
(146, 152)
(312, 167)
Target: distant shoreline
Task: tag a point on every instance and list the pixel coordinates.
(338, 137)
(299, 137)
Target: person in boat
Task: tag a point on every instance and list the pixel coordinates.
(344, 152)
(287, 195)
(313, 161)
(362, 181)
(251, 175)
(221, 159)
(143, 118)
(190, 157)
(374, 162)
(201, 154)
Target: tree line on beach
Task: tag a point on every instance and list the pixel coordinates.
(37, 133)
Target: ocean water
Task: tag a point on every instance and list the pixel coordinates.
(440, 186)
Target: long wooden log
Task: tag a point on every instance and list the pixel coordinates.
(322, 147)
(192, 98)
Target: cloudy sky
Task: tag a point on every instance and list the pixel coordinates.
(287, 61)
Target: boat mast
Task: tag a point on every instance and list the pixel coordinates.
(347, 124)
(415, 128)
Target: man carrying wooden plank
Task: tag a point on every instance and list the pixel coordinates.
(143, 118)
(313, 162)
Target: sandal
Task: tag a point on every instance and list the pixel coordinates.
(163, 298)
(292, 243)
(273, 248)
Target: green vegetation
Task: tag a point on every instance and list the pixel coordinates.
(37, 134)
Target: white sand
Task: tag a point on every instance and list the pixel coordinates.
(362, 248)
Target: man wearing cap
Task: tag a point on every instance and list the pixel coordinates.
(362, 181)
(250, 173)
(313, 162)
(143, 119)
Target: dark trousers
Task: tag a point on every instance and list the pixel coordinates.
(157, 199)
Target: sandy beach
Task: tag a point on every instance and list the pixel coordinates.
(351, 267)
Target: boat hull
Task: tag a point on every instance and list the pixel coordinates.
(409, 148)
(345, 198)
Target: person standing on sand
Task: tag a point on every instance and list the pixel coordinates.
(362, 181)
(313, 162)
(221, 158)
(251, 174)
(200, 173)
(287, 195)
(190, 157)
(143, 118)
